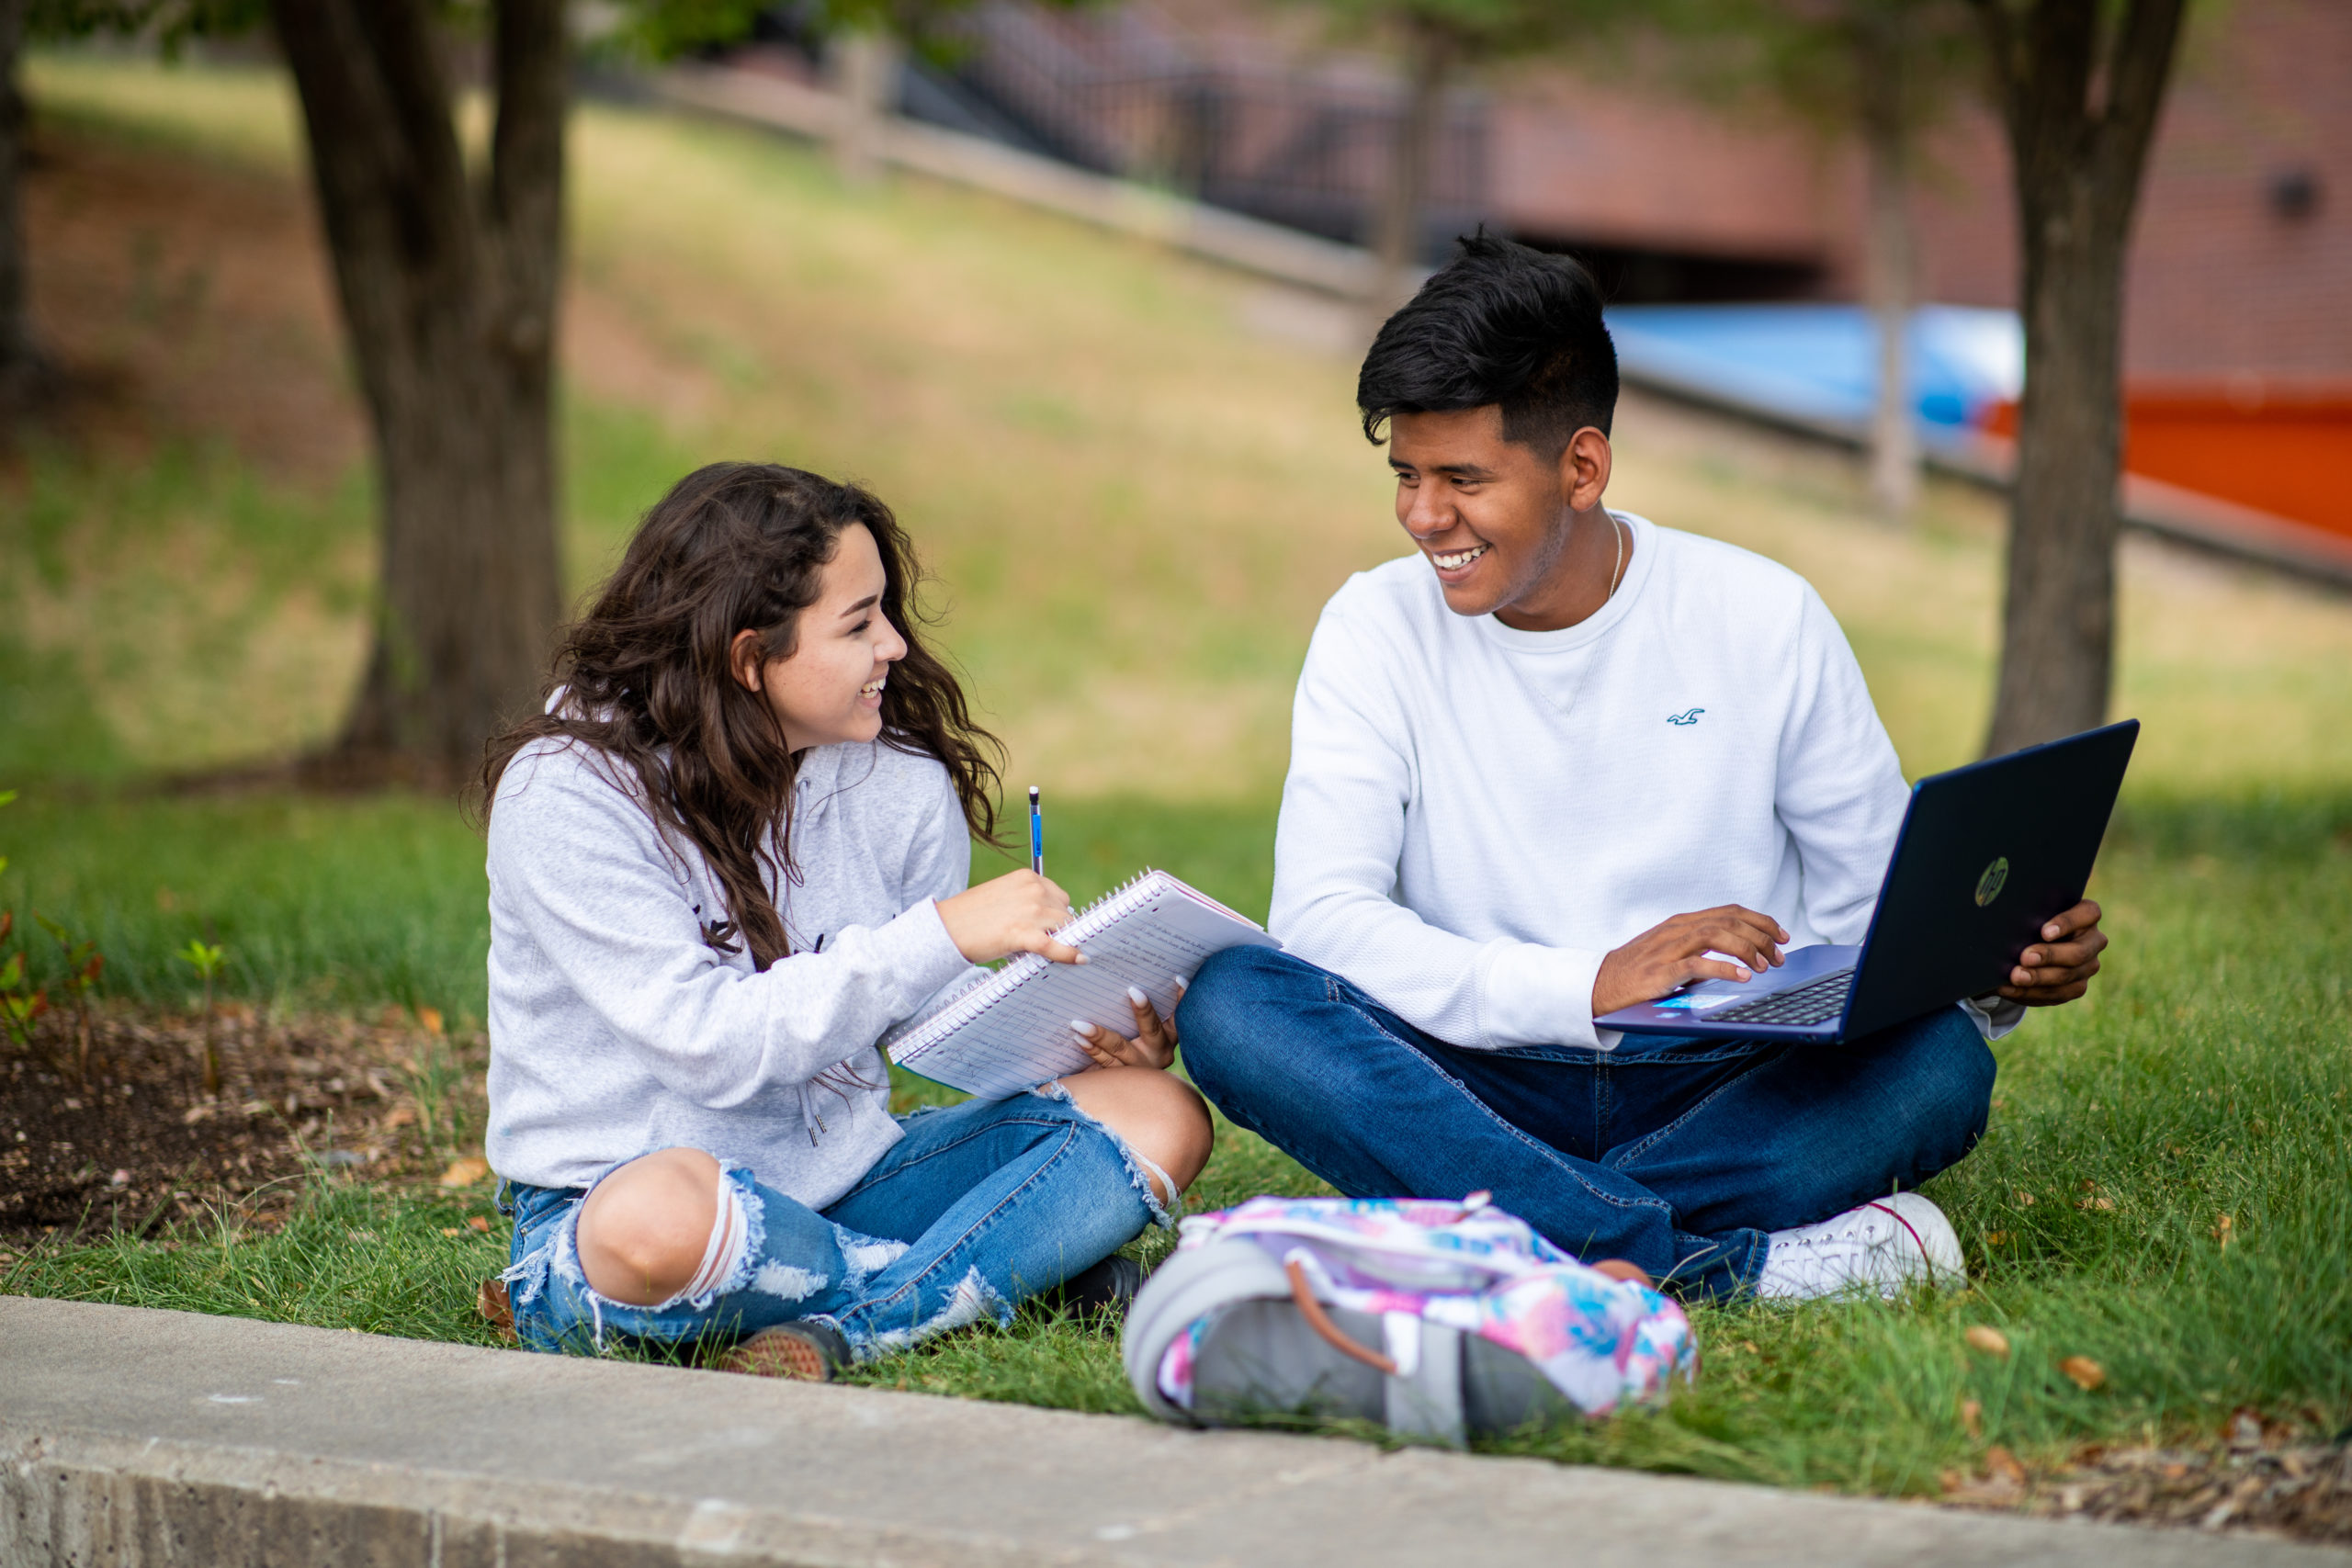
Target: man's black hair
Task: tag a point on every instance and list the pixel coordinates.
(1499, 323)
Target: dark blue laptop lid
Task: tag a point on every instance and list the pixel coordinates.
(1989, 852)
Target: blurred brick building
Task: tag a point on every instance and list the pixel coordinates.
(2238, 338)
(2238, 325)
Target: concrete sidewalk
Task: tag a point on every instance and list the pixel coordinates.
(137, 1438)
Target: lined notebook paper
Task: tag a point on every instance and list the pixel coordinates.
(1011, 1031)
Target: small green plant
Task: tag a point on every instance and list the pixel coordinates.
(20, 1000)
(83, 962)
(205, 959)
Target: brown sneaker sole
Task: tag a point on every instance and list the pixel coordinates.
(778, 1353)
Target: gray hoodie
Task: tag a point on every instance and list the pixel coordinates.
(616, 1029)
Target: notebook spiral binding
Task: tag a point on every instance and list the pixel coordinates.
(911, 1039)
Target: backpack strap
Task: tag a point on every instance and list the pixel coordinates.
(1420, 1362)
(1426, 1401)
(1420, 1367)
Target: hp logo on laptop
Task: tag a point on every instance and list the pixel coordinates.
(1988, 886)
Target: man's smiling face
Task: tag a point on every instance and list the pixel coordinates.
(1490, 514)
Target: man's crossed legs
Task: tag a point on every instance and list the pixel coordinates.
(1677, 1154)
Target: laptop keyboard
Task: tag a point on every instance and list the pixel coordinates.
(1815, 1001)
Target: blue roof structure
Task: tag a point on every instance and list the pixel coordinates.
(1817, 365)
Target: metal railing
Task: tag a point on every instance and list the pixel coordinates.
(1118, 92)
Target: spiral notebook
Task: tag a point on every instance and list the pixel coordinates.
(1011, 1031)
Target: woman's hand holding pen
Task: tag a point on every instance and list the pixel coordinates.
(1153, 1044)
(1017, 912)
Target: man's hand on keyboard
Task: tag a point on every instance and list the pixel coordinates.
(2059, 967)
(1673, 953)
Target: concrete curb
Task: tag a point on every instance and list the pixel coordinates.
(138, 1437)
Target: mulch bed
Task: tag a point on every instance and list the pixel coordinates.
(2266, 1480)
(139, 1144)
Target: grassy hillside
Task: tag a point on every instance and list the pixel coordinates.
(1135, 498)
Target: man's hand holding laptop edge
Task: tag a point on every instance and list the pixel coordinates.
(2060, 967)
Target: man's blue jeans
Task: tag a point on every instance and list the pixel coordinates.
(978, 1207)
(1677, 1154)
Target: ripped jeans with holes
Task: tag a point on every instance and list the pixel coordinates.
(976, 1208)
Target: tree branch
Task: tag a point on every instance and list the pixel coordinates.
(526, 195)
(2001, 61)
(2137, 71)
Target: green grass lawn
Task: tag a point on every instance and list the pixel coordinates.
(1135, 505)
(2204, 1077)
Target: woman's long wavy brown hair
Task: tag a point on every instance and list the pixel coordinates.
(645, 676)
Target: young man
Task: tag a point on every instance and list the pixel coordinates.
(1559, 761)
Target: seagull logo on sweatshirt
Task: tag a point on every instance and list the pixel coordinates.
(1688, 715)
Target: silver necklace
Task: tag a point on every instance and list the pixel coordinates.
(1616, 531)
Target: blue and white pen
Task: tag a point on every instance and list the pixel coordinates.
(1036, 833)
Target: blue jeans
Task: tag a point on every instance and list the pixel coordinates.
(976, 1207)
(1678, 1155)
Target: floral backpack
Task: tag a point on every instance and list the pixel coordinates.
(1436, 1319)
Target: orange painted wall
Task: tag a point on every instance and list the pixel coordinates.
(2287, 452)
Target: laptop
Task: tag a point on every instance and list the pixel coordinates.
(1987, 854)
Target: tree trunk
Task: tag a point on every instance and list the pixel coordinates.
(2080, 103)
(865, 76)
(448, 290)
(20, 361)
(1889, 261)
(1429, 54)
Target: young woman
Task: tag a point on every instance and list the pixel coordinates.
(729, 854)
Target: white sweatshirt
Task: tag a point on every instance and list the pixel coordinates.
(615, 1029)
(1476, 816)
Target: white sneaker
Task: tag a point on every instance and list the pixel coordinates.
(1881, 1248)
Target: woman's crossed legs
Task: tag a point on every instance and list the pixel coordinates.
(976, 1208)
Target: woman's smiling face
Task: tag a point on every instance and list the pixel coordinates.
(829, 688)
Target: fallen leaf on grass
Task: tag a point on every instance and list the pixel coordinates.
(453, 1230)
(1990, 1340)
(1971, 1416)
(2084, 1374)
(479, 1223)
(465, 1172)
(1996, 1239)
(401, 1116)
(2003, 1485)
(431, 1019)
(2024, 1198)
(2222, 1225)
(2094, 1202)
